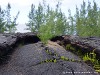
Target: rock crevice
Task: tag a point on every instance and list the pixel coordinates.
(35, 58)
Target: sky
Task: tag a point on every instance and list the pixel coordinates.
(24, 7)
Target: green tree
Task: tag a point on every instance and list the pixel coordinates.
(2, 23)
(35, 18)
(10, 25)
(6, 24)
(60, 21)
(71, 26)
(87, 20)
(47, 21)
(44, 14)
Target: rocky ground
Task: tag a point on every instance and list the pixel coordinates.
(24, 54)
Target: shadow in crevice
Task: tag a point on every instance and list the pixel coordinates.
(20, 41)
(54, 39)
(65, 40)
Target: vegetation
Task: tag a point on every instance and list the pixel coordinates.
(50, 22)
(87, 20)
(47, 21)
(89, 58)
(6, 25)
(69, 47)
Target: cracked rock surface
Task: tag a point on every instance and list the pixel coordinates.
(30, 60)
(38, 59)
(88, 43)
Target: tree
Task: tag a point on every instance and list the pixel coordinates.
(13, 24)
(87, 20)
(35, 18)
(47, 21)
(10, 25)
(71, 26)
(6, 24)
(44, 15)
(2, 23)
(60, 21)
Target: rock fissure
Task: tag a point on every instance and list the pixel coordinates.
(46, 70)
(57, 57)
(32, 57)
(12, 41)
(85, 44)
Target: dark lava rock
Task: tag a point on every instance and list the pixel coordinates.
(86, 44)
(31, 60)
(38, 59)
(10, 41)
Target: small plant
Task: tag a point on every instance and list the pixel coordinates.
(54, 60)
(91, 57)
(45, 33)
(62, 57)
(86, 57)
(72, 60)
(47, 60)
(97, 68)
(66, 59)
(50, 60)
(69, 47)
(48, 51)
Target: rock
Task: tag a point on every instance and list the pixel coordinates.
(10, 41)
(24, 54)
(86, 44)
(32, 59)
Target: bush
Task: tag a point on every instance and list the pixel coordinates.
(45, 33)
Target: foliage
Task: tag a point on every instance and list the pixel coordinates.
(47, 21)
(69, 47)
(35, 18)
(45, 34)
(91, 57)
(10, 25)
(6, 25)
(2, 23)
(87, 20)
(87, 57)
(71, 26)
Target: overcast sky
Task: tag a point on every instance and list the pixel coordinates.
(24, 7)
